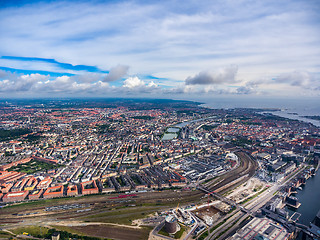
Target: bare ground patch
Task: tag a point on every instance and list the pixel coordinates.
(113, 232)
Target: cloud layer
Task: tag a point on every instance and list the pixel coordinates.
(226, 75)
(94, 84)
(116, 73)
(220, 47)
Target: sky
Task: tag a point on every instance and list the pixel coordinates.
(160, 49)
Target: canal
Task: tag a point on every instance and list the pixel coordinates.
(173, 130)
(309, 197)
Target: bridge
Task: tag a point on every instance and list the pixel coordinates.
(224, 199)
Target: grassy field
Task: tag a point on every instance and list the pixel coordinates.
(108, 231)
(51, 202)
(4, 234)
(203, 235)
(33, 166)
(178, 234)
(32, 230)
(38, 203)
(67, 229)
(163, 232)
(122, 215)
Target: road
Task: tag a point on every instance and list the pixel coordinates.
(232, 224)
(196, 224)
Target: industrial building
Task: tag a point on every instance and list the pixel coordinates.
(262, 228)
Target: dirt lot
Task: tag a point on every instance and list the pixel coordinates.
(246, 190)
(210, 211)
(114, 232)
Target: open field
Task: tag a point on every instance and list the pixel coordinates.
(32, 230)
(246, 190)
(33, 166)
(114, 232)
(5, 235)
(122, 215)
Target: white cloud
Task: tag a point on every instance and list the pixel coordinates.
(134, 86)
(43, 85)
(152, 84)
(16, 83)
(165, 37)
(133, 82)
(3, 74)
(264, 38)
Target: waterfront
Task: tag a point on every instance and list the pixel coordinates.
(309, 197)
(289, 108)
(172, 131)
(297, 116)
(304, 107)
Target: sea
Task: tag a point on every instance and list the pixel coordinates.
(292, 108)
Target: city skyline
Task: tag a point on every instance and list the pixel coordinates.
(163, 50)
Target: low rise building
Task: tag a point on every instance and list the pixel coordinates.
(15, 196)
(53, 192)
(31, 184)
(11, 176)
(36, 194)
(45, 183)
(72, 190)
(89, 187)
(5, 187)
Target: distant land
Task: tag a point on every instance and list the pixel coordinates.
(313, 117)
(131, 103)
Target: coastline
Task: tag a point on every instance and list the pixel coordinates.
(288, 113)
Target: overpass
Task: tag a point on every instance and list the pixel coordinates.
(224, 199)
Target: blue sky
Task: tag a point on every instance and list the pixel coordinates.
(169, 49)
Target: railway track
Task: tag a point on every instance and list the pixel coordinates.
(247, 167)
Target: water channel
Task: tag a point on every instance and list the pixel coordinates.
(309, 197)
(172, 131)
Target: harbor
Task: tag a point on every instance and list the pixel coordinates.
(307, 194)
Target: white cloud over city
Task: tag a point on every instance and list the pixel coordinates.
(162, 48)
